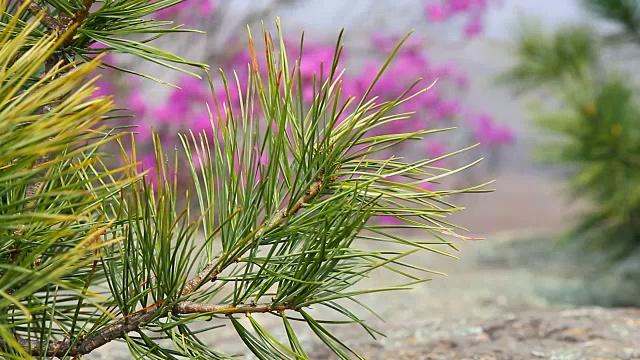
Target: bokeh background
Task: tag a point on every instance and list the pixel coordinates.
(496, 81)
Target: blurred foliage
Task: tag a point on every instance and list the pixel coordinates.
(625, 13)
(593, 116)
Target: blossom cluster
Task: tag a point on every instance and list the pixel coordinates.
(442, 10)
(184, 108)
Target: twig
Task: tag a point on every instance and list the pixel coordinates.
(191, 307)
(90, 343)
(59, 25)
(74, 23)
(47, 20)
(135, 322)
(212, 270)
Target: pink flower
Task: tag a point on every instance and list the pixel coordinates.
(263, 159)
(194, 88)
(431, 98)
(446, 109)
(108, 58)
(308, 93)
(200, 122)
(389, 220)
(504, 135)
(461, 80)
(381, 43)
(480, 4)
(456, 6)
(435, 149)
(489, 134)
(314, 59)
(147, 162)
(143, 133)
(206, 7)
(413, 105)
(436, 12)
(473, 27)
(484, 128)
(427, 186)
(167, 114)
(172, 12)
(137, 104)
(198, 161)
(104, 88)
(445, 70)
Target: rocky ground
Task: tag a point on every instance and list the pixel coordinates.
(507, 298)
(584, 333)
(513, 299)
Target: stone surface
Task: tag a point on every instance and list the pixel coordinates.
(585, 333)
(508, 298)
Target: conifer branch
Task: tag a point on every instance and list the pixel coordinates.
(45, 18)
(135, 323)
(212, 270)
(191, 307)
(67, 29)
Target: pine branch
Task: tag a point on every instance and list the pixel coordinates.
(212, 270)
(67, 30)
(74, 23)
(45, 19)
(191, 307)
(135, 323)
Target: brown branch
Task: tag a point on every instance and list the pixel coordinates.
(90, 343)
(72, 24)
(190, 307)
(135, 322)
(60, 25)
(212, 270)
(47, 20)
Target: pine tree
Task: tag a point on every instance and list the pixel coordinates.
(91, 252)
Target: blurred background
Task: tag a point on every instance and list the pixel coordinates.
(549, 90)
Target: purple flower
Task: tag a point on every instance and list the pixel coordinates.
(194, 88)
(427, 186)
(504, 135)
(473, 27)
(200, 122)
(207, 7)
(143, 133)
(489, 134)
(389, 220)
(137, 104)
(480, 4)
(381, 43)
(461, 80)
(105, 88)
(435, 149)
(168, 114)
(456, 6)
(108, 58)
(446, 109)
(436, 12)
